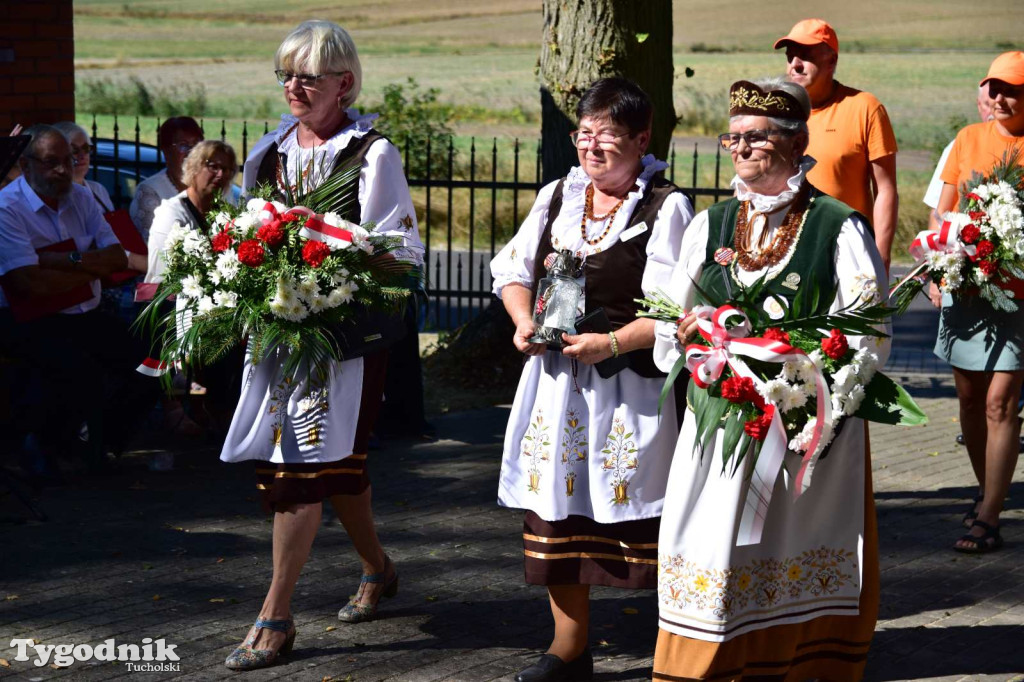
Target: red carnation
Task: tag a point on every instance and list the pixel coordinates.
(250, 252)
(985, 248)
(757, 428)
(776, 334)
(271, 234)
(221, 241)
(314, 252)
(835, 346)
(739, 390)
(970, 234)
(973, 196)
(988, 267)
(976, 215)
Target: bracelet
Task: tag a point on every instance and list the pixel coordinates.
(615, 344)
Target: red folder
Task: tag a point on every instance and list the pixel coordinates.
(26, 309)
(120, 222)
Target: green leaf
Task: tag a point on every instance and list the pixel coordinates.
(886, 402)
(670, 380)
(642, 37)
(733, 433)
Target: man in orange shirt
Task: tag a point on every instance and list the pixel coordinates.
(850, 134)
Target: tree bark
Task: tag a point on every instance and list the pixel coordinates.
(584, 40)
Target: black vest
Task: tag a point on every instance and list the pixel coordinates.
(350, 157)
(613, 277)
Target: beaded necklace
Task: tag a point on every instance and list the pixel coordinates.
(781, 244)
(588, 214)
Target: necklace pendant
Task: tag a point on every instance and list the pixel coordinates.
(724, 255)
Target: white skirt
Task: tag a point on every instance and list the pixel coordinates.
(305, 422)
(602, 452)
(808, 563)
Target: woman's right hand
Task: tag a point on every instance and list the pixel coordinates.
(524, 330)
(934, 295)
(686, 330)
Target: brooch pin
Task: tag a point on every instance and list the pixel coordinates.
(792, 281)
(724, 255)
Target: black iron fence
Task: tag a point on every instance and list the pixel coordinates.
(470, 197)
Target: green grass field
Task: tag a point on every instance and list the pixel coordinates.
(922, 58)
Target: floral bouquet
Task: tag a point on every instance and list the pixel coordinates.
(280, 275)
(981, 247)
(779, 378)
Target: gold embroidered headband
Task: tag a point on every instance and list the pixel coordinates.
(747, 99)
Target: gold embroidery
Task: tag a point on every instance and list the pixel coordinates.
(742, 98)
(406, 222)
(536, 444)
(621, 458)
(574, 448)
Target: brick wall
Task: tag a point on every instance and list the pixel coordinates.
(37, 67)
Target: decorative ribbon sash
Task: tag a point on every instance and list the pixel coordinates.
(728, 345)
(944, 240)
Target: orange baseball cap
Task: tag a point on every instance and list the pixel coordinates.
(811, 32)
(1007, 67)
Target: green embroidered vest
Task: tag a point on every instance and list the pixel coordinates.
(813, 259)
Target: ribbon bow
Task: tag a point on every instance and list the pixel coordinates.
(313, 227)
(729, 343)
(944, 240)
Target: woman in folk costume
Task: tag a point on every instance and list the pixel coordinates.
(587, 457)
(310, 439)
(800, 601)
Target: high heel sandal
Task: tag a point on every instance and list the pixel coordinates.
(354, 612)
(247, 658)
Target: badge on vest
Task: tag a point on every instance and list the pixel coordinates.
(792, 281)
(724, 255)
(631, 232)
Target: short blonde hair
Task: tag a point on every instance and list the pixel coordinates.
(202, 153)
(321, 47)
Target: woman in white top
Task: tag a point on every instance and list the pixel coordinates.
(800, 601)
(309, 440)
(587, 456)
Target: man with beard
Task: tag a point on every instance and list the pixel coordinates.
(54, 242)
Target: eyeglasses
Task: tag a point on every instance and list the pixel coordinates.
(306, 80)
(184, 147)
(215, 167)
(605, 139)
(53, 164)
(755, 139)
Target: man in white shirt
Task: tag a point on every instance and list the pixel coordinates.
(931, 195)
(88, 358)
(178, 135)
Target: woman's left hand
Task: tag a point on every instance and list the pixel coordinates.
(589, 349)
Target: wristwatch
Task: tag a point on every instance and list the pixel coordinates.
(75, 257)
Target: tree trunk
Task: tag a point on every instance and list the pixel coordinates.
(585, 40)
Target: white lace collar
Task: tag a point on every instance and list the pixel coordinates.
(768, 203)
(359, 125)
(577, 180)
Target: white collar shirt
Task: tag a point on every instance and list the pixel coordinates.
(27, 224)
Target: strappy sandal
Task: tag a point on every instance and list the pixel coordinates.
(354, 612)
(971, 515)
(981, 542)
(247, 658)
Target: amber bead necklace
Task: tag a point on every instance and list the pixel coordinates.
(784, 239)
(588, 214)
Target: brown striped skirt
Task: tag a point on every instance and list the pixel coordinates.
(286, 484)
(581, 551)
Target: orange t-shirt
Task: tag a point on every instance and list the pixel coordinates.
(848, 132)
(978, 147)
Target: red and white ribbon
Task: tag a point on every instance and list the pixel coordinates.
(152, 367)
(944, 240)
(728, 345)
(335, 237)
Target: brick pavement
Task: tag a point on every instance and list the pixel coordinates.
(185, 555)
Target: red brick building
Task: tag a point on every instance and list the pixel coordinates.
(37, 62)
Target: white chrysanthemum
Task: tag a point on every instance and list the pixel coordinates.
(205, 305)
(278, 308)
(790, 370)
(817, 358)
(255, 205)
(794, 398)
(345, 291)
(807, 368)
(854, 400)
(317, 303)
(308, 287)
(221, 219)
(227, 265)
(868, 363)
(809, 389)
(774, 391)
(838, 403)
(225, 299)
(361, 239)
(844, 379)
(335, 220)
(340, 275)
(175, 236)
(194, 243)
(191, 287)
(286, 292)
(297, 312)
(246, 221)
(802, 441)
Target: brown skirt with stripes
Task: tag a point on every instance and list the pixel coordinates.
(282, 485)
(581, 551)
(828, 648)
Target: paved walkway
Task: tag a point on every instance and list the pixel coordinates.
(185, 556)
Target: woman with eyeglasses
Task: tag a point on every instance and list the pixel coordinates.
(81, 146)
(319, 69)
(585, 455)
(801, 601)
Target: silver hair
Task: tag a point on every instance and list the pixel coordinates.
(39, 132)
(318, 47)
(789, 87)
(69, 128)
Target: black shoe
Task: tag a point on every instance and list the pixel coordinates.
(550, 668)
(959, 439)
